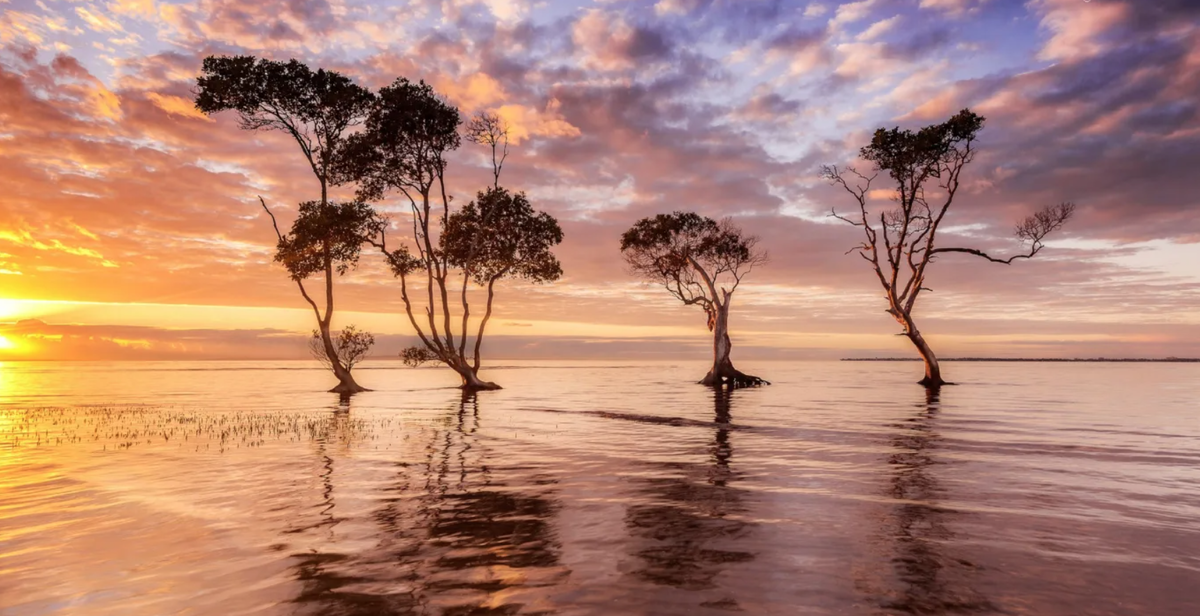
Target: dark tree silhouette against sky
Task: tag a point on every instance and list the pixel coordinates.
(900, 243)
(700, 262)
(316, 108)
(403, 149)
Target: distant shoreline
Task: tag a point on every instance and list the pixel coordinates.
(1167, 360)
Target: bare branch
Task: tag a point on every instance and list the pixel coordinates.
(1033, 230)
(491, 130)
(351, 346)
(274, 223)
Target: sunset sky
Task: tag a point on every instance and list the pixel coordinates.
(130, 226)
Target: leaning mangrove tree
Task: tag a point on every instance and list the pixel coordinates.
(317, 109)
(900, 243)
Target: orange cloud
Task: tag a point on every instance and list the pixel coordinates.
(23, 237)
(525, 121)
(607, 42)
(475, 92)
(134, 8)
(177, 105)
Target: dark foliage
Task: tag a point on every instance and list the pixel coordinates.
(327, 236)
(404, 144)
(415, 356)
(499, 235)
(351, 346)
(690, 255)
(314, 107)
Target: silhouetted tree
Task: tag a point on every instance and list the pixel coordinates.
(497, 236)
(696, 258)
(403, 149)
(489, 129)
(901, 243)
(316, 108)
(352, 346)
(326, 239)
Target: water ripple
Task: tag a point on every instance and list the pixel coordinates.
(598, 488)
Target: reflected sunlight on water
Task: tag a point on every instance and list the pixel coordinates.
(599, 488)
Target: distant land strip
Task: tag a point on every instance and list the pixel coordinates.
(1162, 360)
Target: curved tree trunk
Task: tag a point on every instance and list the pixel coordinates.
(933, 372)
(470, 378)
(723, 373)
(346, 383)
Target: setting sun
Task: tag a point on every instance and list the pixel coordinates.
(7, 345)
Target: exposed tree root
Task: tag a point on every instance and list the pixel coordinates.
(480, 386)
(733, 378)
(472, 382)
(348, 388)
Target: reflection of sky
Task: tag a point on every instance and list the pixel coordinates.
(563, 492)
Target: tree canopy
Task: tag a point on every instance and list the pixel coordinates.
(351, 347)
(910, 157)
(407, 135)
(499, 235)
(690, 255)
(314, 107)
(329, 236)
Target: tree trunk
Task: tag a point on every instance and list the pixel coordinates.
(470, 378)
(346, 383)
(933, 372)
(723, 373)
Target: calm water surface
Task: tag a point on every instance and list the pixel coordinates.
(599, 488)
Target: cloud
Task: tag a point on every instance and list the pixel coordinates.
(674, 7)
(804, 50)
(1076, 31)
(815, 10)
(178, 106)
(620, 111)
(133, 8)
(97, 20)
(608, 42)
(879, 28)
(769, 106)
(507, 10)
(851, 12)
(473, 92)
(525, 122)
(951, 7)
(24, 238)
(23, 27)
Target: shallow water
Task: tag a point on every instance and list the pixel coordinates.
(599, 488)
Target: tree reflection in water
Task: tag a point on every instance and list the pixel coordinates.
(686, 531)
(457, 533)
(932, 582)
